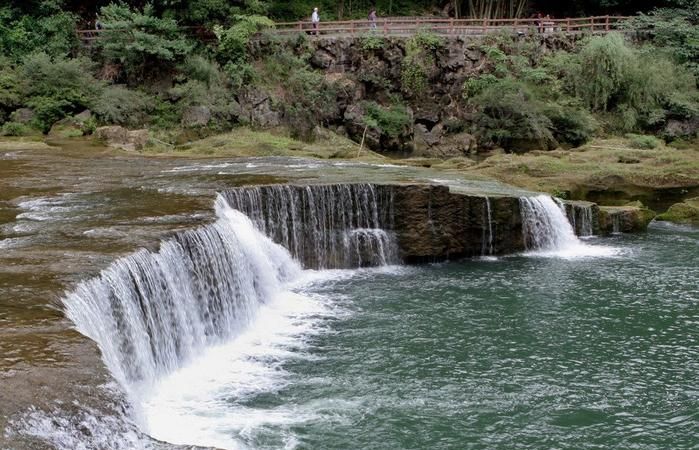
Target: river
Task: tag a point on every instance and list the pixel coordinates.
(591, 345)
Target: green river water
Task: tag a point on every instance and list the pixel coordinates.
(515, 353)
(520, 352)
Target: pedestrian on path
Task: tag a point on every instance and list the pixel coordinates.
(372, 19)
(315, 20)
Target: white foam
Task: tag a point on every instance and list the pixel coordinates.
(203, 403)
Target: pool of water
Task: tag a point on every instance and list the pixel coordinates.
(523, 352)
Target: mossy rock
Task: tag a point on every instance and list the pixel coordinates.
(625, 219)
(685, 212)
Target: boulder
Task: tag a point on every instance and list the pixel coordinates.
(22, 115)
(624, 219)
(120, 137)
(196, 116)
(136, 139)
(679, 129)
(686, 212)
(112, 135)
(83, 116)
(322, 59)
(256, 107)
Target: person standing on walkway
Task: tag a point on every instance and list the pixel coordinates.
(372, 19)
(315, 20)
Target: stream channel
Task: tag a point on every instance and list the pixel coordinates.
(204, 332)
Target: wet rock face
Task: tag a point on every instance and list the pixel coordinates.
(624, 219)
(432, 223)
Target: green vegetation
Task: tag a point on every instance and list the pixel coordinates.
(420, 59)
(610, 164)
(392, 121)
(153, 67)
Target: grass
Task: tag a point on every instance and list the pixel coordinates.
(246, 142)
(602, 164)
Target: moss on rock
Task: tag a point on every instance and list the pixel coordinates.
(685, 212)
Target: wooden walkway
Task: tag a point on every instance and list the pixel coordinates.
(456, 27)
(402, 27)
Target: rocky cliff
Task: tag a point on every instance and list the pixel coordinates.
(371, 73)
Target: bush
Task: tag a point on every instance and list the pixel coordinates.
(571, 124)
(138, 40)
(642, 141)
(20, 35)
(233, 41)
(122, 106)
(510, 114)
(371, 42)
(15, 129)
(642, 87)
(393, 121)
(11, 88)
(58, 87)
(419, 61)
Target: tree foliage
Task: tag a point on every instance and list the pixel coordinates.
(138, 40)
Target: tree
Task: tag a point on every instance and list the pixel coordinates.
(138, 40)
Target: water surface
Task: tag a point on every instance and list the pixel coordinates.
(524, 352)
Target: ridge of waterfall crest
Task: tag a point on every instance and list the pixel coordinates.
(333, 226)
(150, 312)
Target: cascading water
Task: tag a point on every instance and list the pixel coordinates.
(151, 312)
(324, 226)
(546, 230)
(581, 218)
(585, 220)
(154, 314)
(487, 240)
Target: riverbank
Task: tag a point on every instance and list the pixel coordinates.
(610, 172)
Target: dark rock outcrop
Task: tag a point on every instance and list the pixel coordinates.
(374, 72)
(624, 219)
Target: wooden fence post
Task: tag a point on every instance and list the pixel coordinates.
(606, 24)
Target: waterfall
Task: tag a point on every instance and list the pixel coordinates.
(487, 239)
(151, 312)
(581, 218)
(324, 226)
(616, 223)
(545, 226)
(585, 220)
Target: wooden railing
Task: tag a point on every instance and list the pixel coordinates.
(402, 26)
(456, 27)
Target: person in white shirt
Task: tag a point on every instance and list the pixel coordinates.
(315, 19)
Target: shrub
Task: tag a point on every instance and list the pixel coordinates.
(643, 141)
(15, 129)
(122, 106)
(233, 41)
(419, 60)
(371, 42)
(57, 87)
(11, 87)
(675, 30)
(20, 35)
(571, 124)
(392, 121)
(606, 64)
(509, 113)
